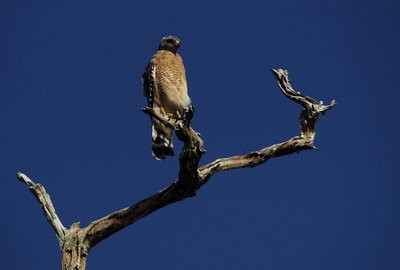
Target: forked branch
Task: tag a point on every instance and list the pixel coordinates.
(190, 178)
(308, 119)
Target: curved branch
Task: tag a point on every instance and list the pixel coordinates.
(308, 120)
(190, 178)
(185, 186)
(45, 202)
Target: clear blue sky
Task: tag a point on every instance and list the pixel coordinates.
(70, 99)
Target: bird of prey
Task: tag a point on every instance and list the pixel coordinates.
(165, 86)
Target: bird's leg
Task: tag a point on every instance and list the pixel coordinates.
(185, 115)
(162, 111)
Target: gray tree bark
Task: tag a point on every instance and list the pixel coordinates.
(76, 242)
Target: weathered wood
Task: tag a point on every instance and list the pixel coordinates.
(75, 249)
(48, 209)
(76, 242)
(308, 119)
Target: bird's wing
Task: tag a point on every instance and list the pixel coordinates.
(148, 78)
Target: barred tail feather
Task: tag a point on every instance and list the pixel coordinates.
(162, 145)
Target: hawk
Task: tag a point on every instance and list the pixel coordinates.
(165, 86)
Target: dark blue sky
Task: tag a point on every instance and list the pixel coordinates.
(70, 99)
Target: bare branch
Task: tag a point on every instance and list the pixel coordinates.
(255, 158)
(48, 209)
(308, 119)
(77, 242)
(311, 108)
(282, 75)
(191, 179)
(185, 186)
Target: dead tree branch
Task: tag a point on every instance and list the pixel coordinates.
(76, 242)
(308, 119)
(48, 209)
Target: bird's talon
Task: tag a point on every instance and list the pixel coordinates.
(188, 113)
(163, 111)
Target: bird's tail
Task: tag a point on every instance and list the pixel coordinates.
(162, 145)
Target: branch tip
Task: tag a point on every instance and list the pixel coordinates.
(20, 175)
(24, 178)
(280, 72)
(324, 108)
(145, 109)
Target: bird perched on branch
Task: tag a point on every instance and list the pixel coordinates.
(165, 87)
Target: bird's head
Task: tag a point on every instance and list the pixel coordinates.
(169, 43)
